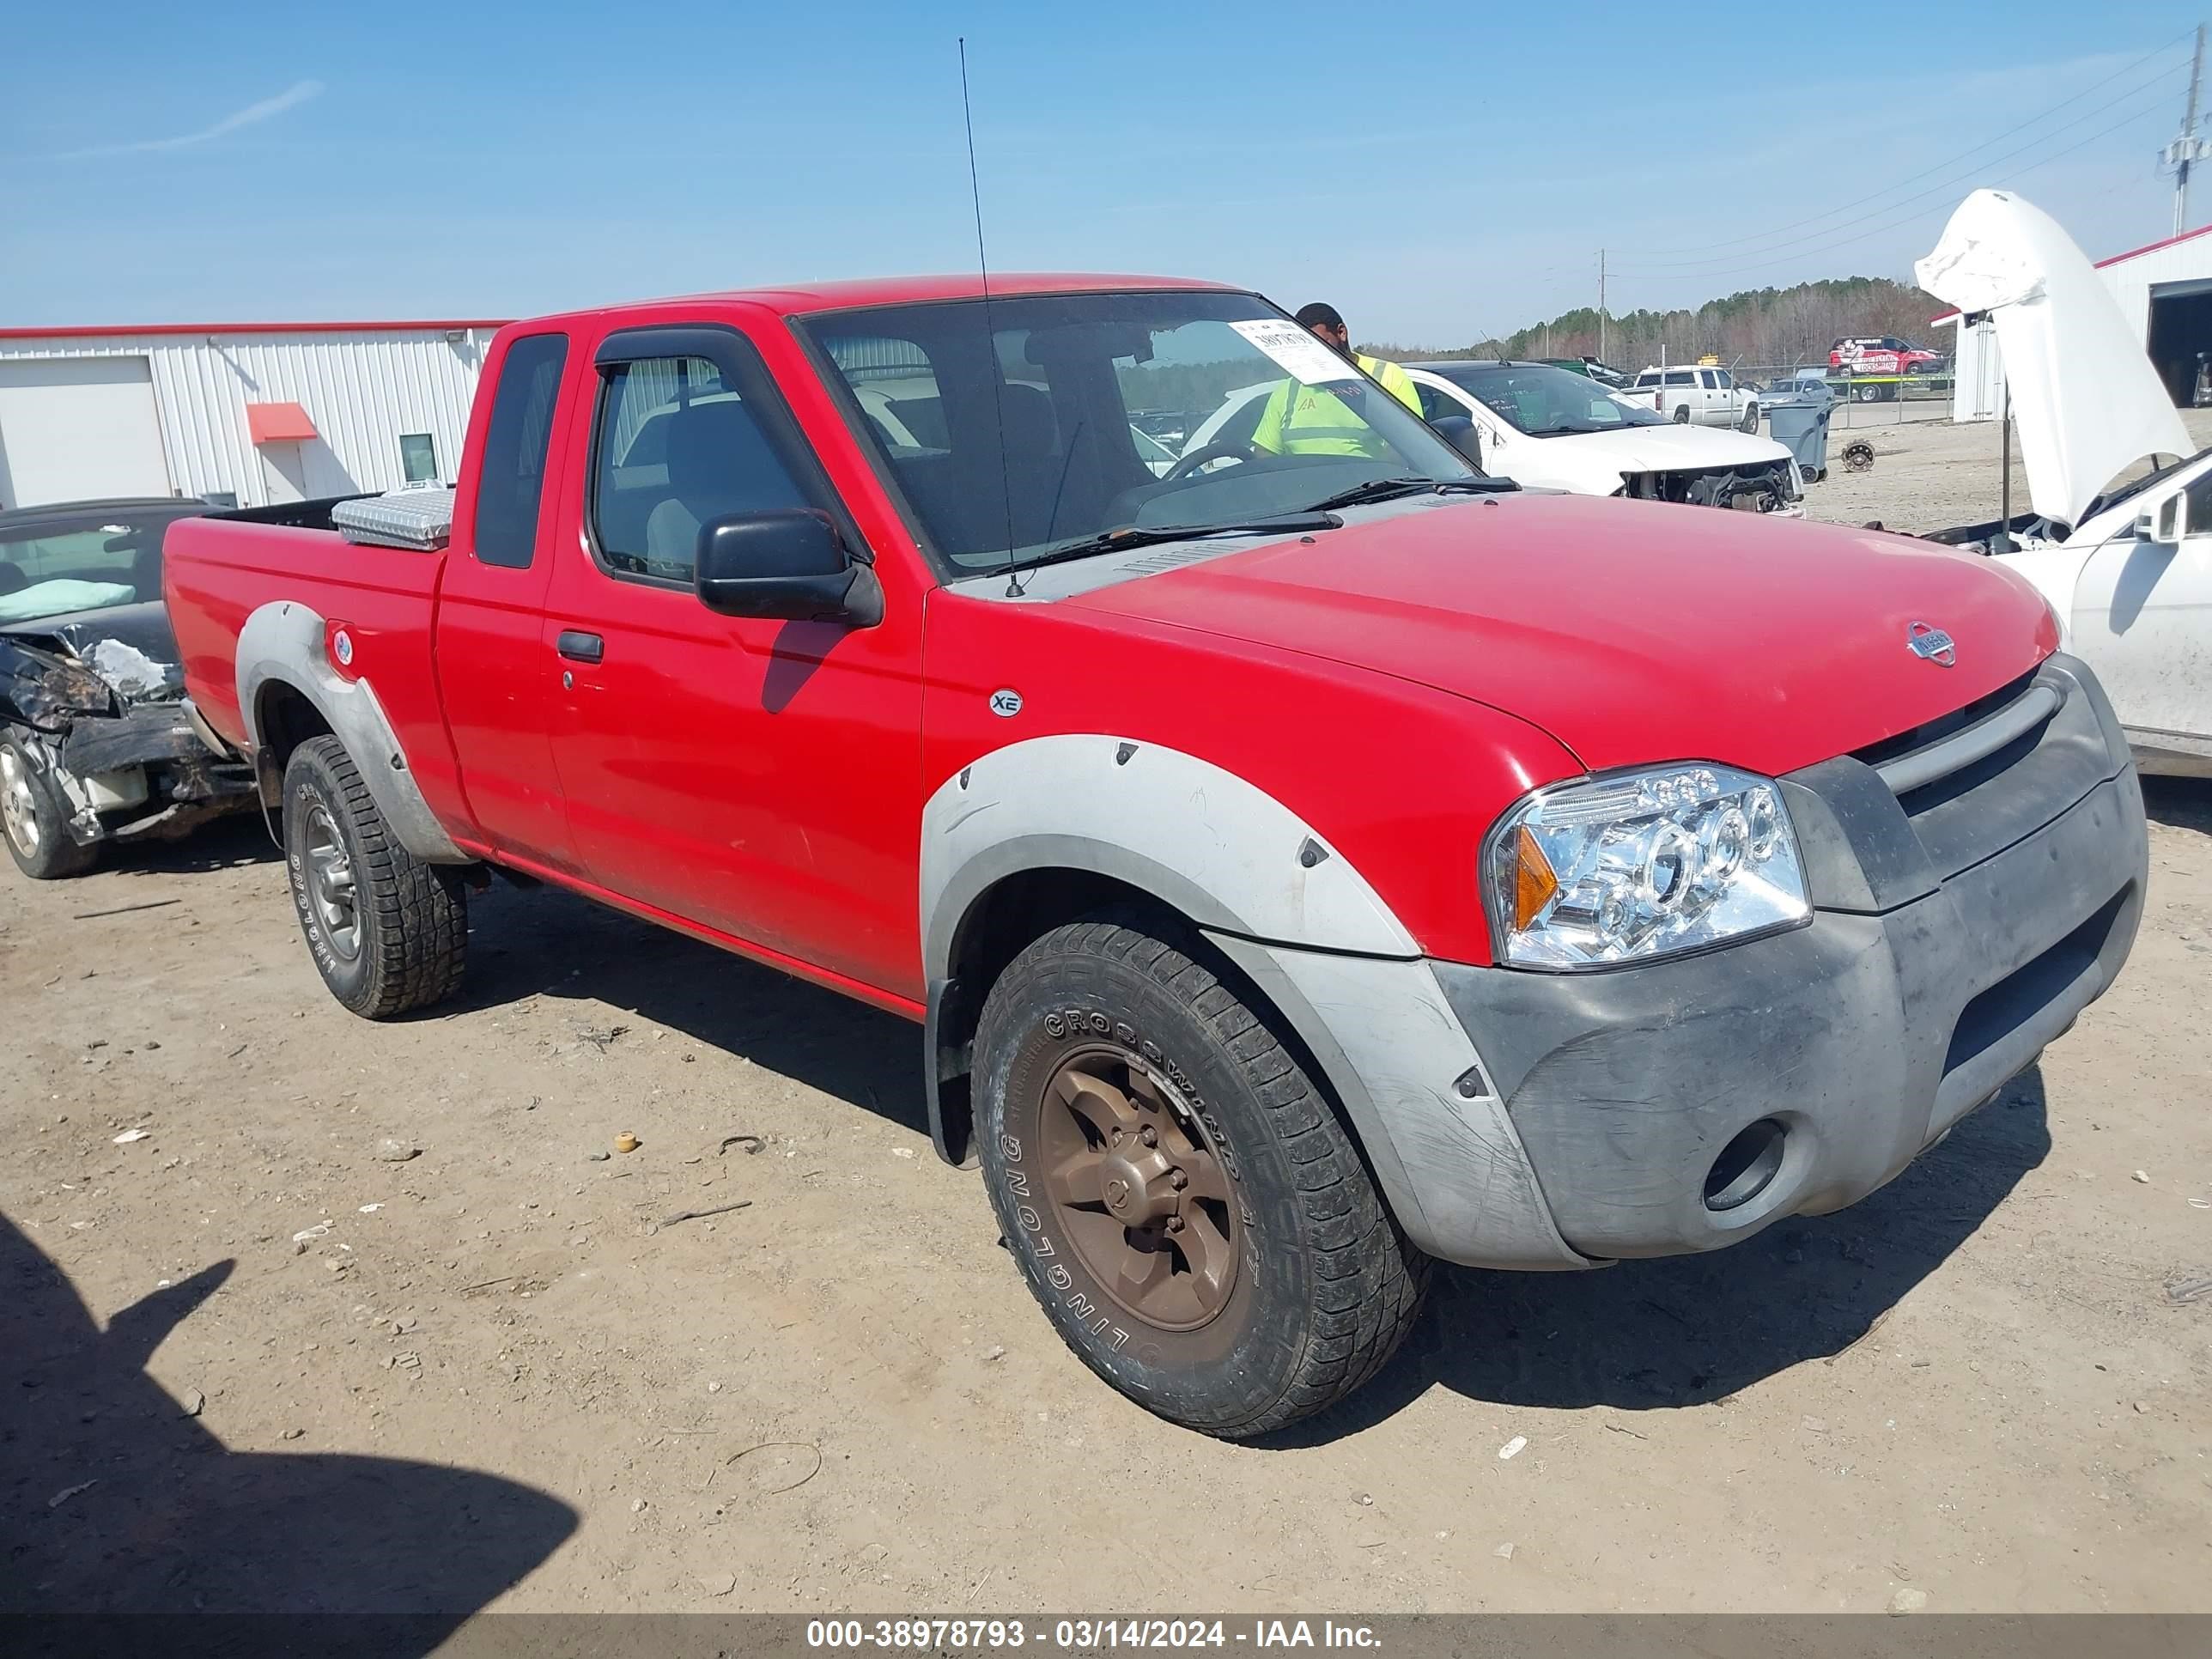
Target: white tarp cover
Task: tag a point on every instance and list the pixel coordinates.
(2088, 403)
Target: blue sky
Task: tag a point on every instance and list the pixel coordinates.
(1438, 171)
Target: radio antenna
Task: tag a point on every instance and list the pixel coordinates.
(990, 336)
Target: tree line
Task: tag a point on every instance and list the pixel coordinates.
(1781, 326)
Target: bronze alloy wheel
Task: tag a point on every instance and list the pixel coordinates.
(1184, 1202)
(1139, 1189)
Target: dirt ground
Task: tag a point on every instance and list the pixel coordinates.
(440, 1339)
(1928, 475)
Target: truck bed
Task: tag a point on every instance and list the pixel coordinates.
(220, 568)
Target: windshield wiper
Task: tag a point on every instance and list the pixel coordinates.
(1128, 536)
(1384, 489)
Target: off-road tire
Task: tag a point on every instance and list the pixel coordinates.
(412, 919)
(36, 812)
(1326, 1284)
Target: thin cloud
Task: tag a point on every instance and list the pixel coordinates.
(292, 97)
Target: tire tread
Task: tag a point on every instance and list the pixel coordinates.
(1369, 1278)
(420, 934)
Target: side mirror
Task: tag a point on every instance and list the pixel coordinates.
(788, 564)
(1461, 432)
(2143, 527)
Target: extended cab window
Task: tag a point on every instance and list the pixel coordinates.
(1682, 377)
(675, 447)
(513, 480)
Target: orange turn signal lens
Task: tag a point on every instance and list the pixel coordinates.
(1533, 884)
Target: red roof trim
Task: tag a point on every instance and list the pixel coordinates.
(439, 326)
(278, 423)
(2116, 259)
(2153, 247)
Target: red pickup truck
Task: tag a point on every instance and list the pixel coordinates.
(1303, 865)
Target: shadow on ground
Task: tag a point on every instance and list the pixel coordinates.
(239, 838)
(2179, 803)
(112, 1500)
(1690, 1330)
(552, 944)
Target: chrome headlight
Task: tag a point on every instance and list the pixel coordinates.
(1638, 865)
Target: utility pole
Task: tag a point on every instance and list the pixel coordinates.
(1601, 281)
(2188, 150)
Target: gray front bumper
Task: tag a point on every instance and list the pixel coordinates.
(1864, 1037)
(1528, 1120)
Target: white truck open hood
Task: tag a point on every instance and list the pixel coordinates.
(2085, 398)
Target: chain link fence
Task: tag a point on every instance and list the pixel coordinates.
(1863, 400)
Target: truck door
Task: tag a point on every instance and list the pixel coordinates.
(759, 776)
(491, 674)
(2142, 616)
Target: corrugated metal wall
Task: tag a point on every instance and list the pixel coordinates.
(361, 390)
(1979, 393)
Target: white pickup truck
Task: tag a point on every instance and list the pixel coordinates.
(1697, 396)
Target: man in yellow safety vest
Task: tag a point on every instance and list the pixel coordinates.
(1325, 420)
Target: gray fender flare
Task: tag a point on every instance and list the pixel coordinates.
(1293, 912)
(1225, 854)
(282, 642)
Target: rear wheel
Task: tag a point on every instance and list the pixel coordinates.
(1682, 415)
(389, 933)
(36, 820)
(1183, 1202)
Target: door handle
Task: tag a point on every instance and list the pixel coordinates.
(580, 648)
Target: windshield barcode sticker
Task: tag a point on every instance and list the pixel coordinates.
(1307, 359)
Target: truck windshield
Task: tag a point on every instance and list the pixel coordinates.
(1007, 425)
(82, 562)
(1544, 402)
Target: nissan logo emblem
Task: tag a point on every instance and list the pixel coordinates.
(1931, 644)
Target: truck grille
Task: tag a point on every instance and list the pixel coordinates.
(1979, 778)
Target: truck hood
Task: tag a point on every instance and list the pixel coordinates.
(1632, 632)
(2085, 398)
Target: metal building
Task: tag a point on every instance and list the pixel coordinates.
(245, 413)
(2164, 290)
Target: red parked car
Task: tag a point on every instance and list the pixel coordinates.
(1309, 862)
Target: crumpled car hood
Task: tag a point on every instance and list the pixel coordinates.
(2085, 398)
(87, 662)
(1670, 448)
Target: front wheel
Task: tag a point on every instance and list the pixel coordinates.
(1750, 422)
(389, 933)
(36, 819)
(1182, 1201)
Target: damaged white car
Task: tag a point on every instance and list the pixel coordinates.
(2119, 538)
(96, 741)
(1546, 428)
